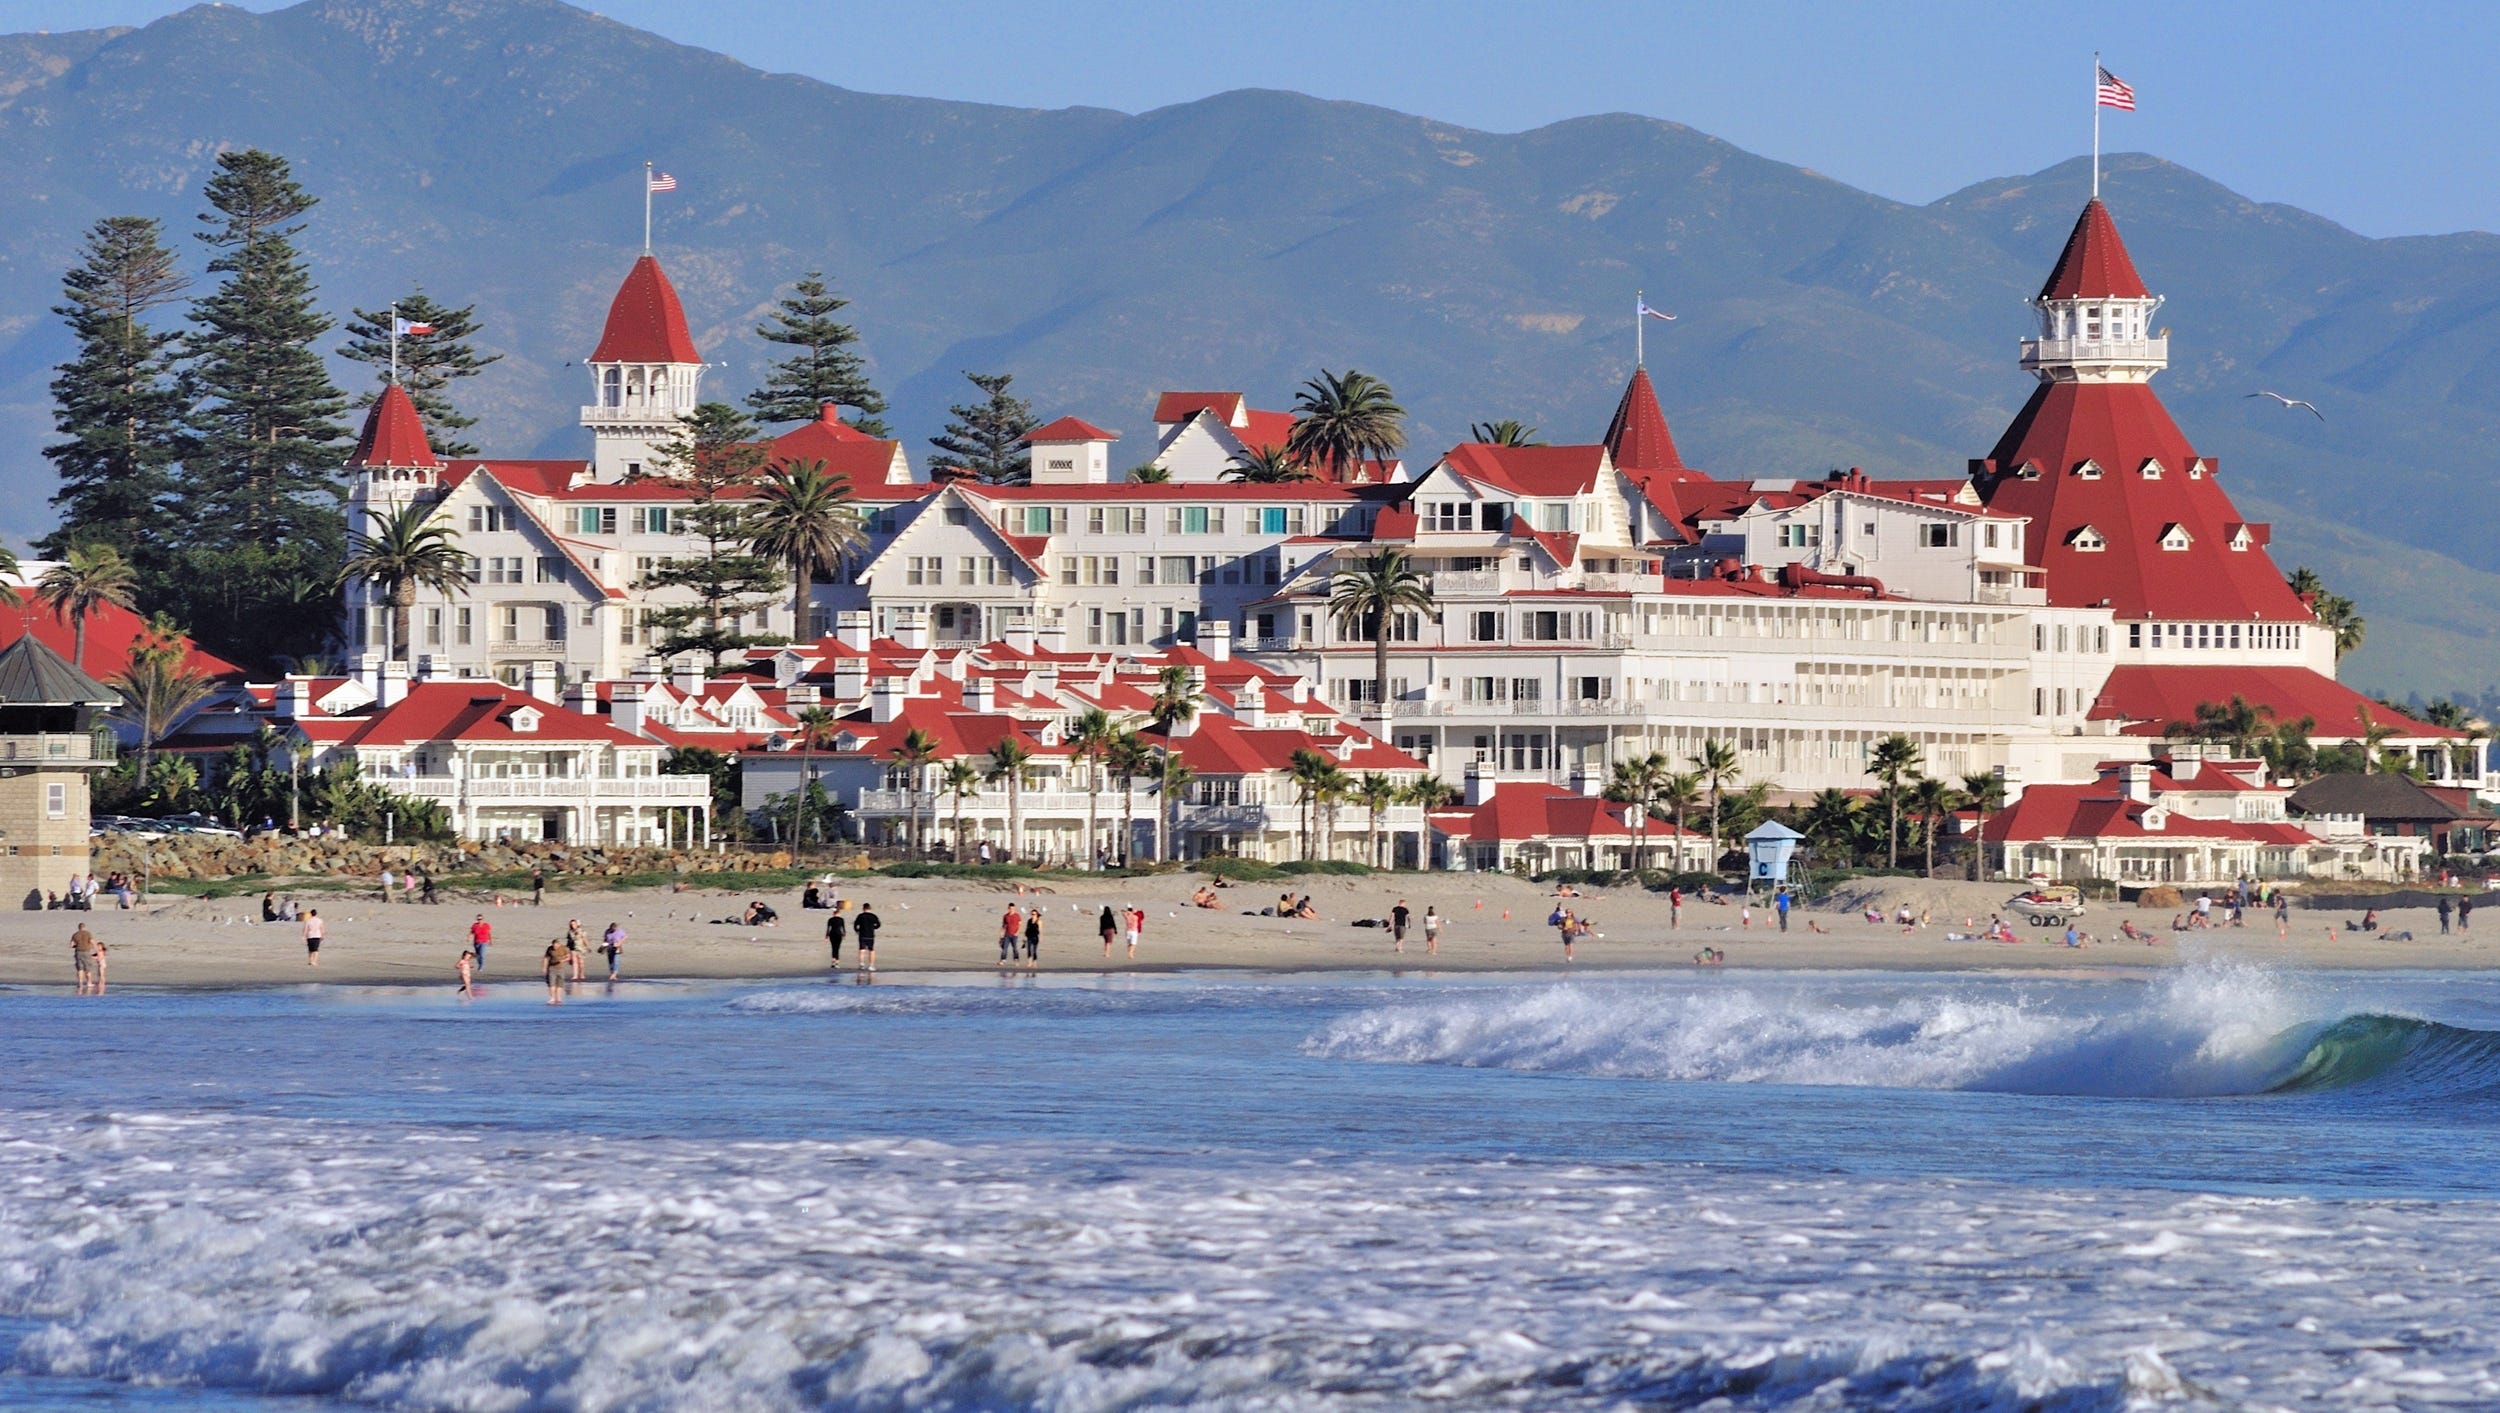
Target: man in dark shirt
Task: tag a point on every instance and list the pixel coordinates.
(864, 928)
(1397, 924)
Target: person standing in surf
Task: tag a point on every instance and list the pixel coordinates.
(481, 932)
(313, 933)
(551, 967)
(865, 930)
(86, 953)
(1033, 939)
(466, 968)
(612, 942)
(1010, 932)
(1136, 929)
(1397, 924)
(1432, 930)
(834, 928)
(1110, 925)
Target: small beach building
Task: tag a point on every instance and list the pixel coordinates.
(52, 741)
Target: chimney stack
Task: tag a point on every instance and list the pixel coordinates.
(625, 706)
(1215, 638)
(1480, 784)
(369, 673)
(294, 699)
(686, 675)
(850, 681)
(885, 699)
(852, 627)
(1018, 634)
(394, 684)
(981, 696)
(1054, 638)
(1250, 704)
(911, 629)
(2138, 780)
(539, 680)
(802, 695)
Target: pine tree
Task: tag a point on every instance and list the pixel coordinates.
(823, 366)
(428, 363)
(986, 439)
(118, 402)
(259, 519)
(716, 458)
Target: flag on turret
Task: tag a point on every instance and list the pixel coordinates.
(2113, 92)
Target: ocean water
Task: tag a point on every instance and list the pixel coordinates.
(2221, 1188)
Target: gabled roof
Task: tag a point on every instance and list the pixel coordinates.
(2101, 811)
(646, 324)
(112, 631)
(1548, 471)
(2094, 264)
(1518, 810)
(1174, 407)
(2150, 696)
(848, 453)
(394, 434)
(479, 710)
(34, 675)
(2377, 795)
(1637, 438)
(1070, 429)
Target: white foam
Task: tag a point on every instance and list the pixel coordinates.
(382, 1265)
(2201, 1031)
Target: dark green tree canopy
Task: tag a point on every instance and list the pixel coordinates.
(985, 440)
(717, 456)
(428, 362)
(824, 364)
(118, 402)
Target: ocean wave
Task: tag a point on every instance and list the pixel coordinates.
(2200, 1032)
(439, 1269)
(1021, 997)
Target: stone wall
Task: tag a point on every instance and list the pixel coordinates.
(212, 856)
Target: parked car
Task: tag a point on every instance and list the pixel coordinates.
(197, 823)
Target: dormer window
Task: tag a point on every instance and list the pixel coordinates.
(2030, 471)
(2241, 540)
(2198, 466)
(2086, 540)
(2176, 537)
(2089, 470)
(2152, 468)
(525, 721)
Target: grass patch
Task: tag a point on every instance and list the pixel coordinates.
(1333, 868)
(1240, 870)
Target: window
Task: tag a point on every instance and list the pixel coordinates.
(1494, 515)
(590, 617)
(612, 387)
(2088, 470)
(1116, 520)
(1988, 535)
(1450, 515)
(1067, 569)
(550, 570)
(1189, 520)
(2176, 537)
(2087, 540)
(56, 800)
(2039, 701)
(1037, 519)
(594, 519)
(555, 623)
(511, 623)
(1593, 689)
(653, 520)
(2135, 635)
(1483, 689)
(2100, 639)
(460, 626)
(492, 517)
(1800, 536)
(1180, 569)
(1484, 627)
(433, 627)
(2152, 468)
(1555, 518)
(1939, 536)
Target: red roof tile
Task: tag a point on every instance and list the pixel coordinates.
(479, 709)
(1070, 429)
(1174, 407)
(1637, 438)
(2094, 264)
(848, 453)
(2100, 811)
(646, 324)
(2150, 696)
(394, 434)
(1529, 470)
(112, 631)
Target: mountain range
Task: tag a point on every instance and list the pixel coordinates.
(490, 152)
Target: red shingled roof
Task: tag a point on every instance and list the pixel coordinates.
(394, 434)
(2094, 264)
(1637, 438)
(1070, 429)
(2150, 696)
(848, 453)
(2101, 810)
(646, 324)
(1529, 470)
(1527, 809)
(112, 631)
(479, 709)
(2118, 427)
(1174, 407)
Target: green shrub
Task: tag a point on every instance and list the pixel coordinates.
(1240, 870)
(956, 870)
(1338, 868)
(1690, 882)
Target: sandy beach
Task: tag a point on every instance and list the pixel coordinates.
(1495, 923)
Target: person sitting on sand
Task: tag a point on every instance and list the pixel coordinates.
(1304, 910)
(269, 907)
(1875, 915)
(812, 899)
(1813, 926)
(760, 914)
(2369, 921)
(1205, 898)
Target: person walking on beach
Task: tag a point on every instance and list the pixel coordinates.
(2444, 910)
(1136, 929)
(313, 933)
(612, 943)
(1010, 932)
(1432, 930)
(538, 887)
(86, 953)
(1675, 907)
(1397, 924)
(387, 880)
(481, 932)
(2282, 914)
(1567, 925)
(1110, 925)
(466, 966)
(835, 926)
(551, 968)
(1033, 939)
(2465, 913)
(865, 929)
(1781, 903)
(576, 945)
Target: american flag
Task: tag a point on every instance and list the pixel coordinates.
(2113, 91)
(662, 181)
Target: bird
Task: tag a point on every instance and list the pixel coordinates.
(2291, 402)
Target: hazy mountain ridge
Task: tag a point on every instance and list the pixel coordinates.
(489, 151)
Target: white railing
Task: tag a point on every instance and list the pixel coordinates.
(1467, 581)
(1031, 804)
(633, 413)
(59, 746)
(683, 789)
(2037, 351)
(536, 647)
(1779, 713)
(1623, 583)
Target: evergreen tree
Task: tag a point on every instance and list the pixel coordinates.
(428, 362)
(259, 507)
(986, 439)
(823, 365)
(118, 402)
(717, 458)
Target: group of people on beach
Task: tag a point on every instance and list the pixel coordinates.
(82, 892)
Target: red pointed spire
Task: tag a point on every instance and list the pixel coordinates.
(2094, 264)
(646, 324)
(1637, 439)
(394, 434)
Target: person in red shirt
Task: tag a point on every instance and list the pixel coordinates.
(1010, 933)
(479, 935)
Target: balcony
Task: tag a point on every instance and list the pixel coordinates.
(1030, 804)
(526, 647)
(62, 748)
(2038, 351)
(654, 789)
(1466, 581)
(1286, 818)
(645, 413)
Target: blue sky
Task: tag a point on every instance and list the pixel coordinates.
(2381, 117)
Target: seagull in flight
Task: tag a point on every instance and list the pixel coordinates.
(2291, 402)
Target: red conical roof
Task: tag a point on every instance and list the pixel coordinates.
(2094, 264)
(394, 434)
(646, 324)
(1637, 439)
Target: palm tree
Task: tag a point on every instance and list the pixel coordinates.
(1677, 793)
(1933, 799)
(1831, 818)
(1089, 741)
(804, 521)
(1635, 783)
(1333, 788)
(912, 753)
(2287, 751)
(1342, 422)
(1986, 794)
(91, 577)
(411, 548)
(1129, 758)
(816, 727)
(2234, 724)
(1150, 474)
(1432, 792)
(1172, 776)
(158, 689)
(1009, 759)
(1368, 596)
(1176, 697)
(1509, 431)
(2373, 735)
(962, 780)
(1716, 763)
(1377, 792)
(1310, 772)
(1267, 466)
(1896, 759)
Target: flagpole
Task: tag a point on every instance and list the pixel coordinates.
(646, 180)
(2096, 125)
(394, 341)
(1640, 345)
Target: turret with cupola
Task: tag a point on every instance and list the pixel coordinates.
(644, 375)
(2096, 317)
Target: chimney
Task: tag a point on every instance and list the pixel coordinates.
(1019, 633)
(788, 666)
(1480, 784)
(1300, 690)
(981, 697)
(1215, 638)
(1587, 782)
(625, 707)
(369, 673)
(426, 668)
(801, 695)
(885, 699)
(394, 684)
(2187, 755)
(850, 681)
(294, 698)
(650, 669)
(1250, 704)
(2137, 778)
(539, 680)
(685, 674)
(1053, 639)
(852, 628)
(911, 630)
